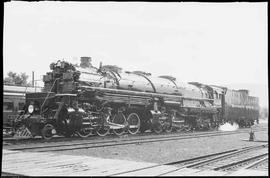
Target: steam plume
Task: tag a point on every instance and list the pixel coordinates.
(228, 127)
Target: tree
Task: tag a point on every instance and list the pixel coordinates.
(17, 79)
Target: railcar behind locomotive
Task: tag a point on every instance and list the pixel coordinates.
(241, 108)
(13, 103)
(84, 100)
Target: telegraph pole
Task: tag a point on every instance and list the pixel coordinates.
(33, 79)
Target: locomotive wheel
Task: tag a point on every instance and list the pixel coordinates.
(156, 127)
(119, 118)
(212, 126)
(183, 128)
(168, 129)
(143, 129)
(47, 131)
(177, 129)
(68, 134)
(102, 131)
(187, 128)
(134, 123)
(83, 133)
(168, 126)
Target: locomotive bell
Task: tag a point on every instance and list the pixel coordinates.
(86, 62)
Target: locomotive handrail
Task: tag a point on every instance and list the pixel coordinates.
(66, 94)
(145, 93)
(116, 80)
(48, 94)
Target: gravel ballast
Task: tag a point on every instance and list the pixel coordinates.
(175, 150)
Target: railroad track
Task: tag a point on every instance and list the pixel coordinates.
(11, 140)
(195, 162)
(231, 161)
(228, 161)
(39, 139)
(261, 164)
(85, 144)
(246, 158)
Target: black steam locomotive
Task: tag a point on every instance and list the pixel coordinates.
(85, 100)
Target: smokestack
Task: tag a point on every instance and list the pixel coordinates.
(33, 78)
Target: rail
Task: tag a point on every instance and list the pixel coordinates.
(185, 166)
(85, 144)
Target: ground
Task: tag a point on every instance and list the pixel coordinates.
(175, 150)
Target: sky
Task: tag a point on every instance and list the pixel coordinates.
(212, 43)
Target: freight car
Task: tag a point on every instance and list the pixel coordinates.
(241, 108)
(85, 100)
(237, 107)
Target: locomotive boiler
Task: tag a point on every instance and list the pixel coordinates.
(85, 100)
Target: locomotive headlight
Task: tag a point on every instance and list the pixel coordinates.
(30, 108)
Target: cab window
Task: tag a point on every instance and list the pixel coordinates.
(21, 105)
(8, 106)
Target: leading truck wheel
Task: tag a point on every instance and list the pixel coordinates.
(168, 125)
(47, 131)
(168, 129)
(134, 123)
(156, 126)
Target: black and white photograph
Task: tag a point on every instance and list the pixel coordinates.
(135, 89)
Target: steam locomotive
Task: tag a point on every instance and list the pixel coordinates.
(85, 100)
